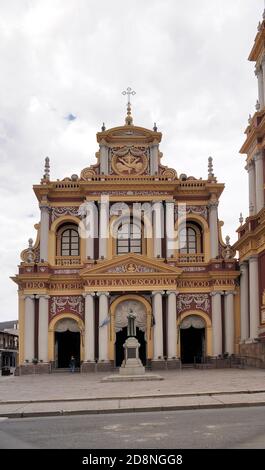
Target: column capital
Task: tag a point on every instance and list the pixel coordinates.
(258, 70)
(250, 166)
(168, 292)
(102, 293)
(218, 292)
(229, 292)
(44, 206)
(253, 258)
(243, 264)
(161, 292)
(212, 205)
(29, 296)
(258, 156)
(42, 296)
(87, 294)
(157, 202)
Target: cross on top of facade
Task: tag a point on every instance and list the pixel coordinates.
(128, 92)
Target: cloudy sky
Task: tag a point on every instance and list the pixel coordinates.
(187, 62)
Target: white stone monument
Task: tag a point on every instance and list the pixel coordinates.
(132, 364)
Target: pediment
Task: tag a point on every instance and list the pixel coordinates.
(130, 265)
(129, 133)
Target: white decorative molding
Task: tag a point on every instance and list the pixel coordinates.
(192, 321)
(66, 271)
(193, 269)
(131, 268)
(73, 303)
(190, 301)
(122, 310)
(67, 324)
(198, 210)
(130, 192)
(59, 211)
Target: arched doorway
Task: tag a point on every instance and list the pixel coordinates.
(121, 337)
(121, 322)
(192, 339)
(67, 342)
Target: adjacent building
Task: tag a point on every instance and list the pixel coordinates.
(251, 233)
(8, 346)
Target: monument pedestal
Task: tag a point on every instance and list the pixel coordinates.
(132, 364)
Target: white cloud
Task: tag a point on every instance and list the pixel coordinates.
(187, 62)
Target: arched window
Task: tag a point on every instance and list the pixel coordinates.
(129, 238)
(68, 241)
(190, 238)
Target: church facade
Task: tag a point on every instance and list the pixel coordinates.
(128, 234)
(251, 233)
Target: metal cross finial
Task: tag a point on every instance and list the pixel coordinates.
(128, 92)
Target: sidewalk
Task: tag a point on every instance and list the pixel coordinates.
(65, 393)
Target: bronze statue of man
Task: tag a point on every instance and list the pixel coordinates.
(131, 328)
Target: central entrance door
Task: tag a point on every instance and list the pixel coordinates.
(121, 337)
(192, 340)
(66, 343)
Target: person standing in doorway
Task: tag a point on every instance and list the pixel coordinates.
(72, 364)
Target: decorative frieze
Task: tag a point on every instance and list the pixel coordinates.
(129, 160)
(65, 285)
(130, 193)
(117, 283)
(131, 268)
(193, 269)
(60, 211)
(193, 283)
(71, 304)
(193, 301)
(198, 210)
(66, 271)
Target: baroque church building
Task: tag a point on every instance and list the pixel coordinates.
(128, 234)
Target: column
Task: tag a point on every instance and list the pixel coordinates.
(158, 229)
(217, 322)
(44, 231)
(104, 163)
(103, 226)
(91, 225)
(259, 74)
(170, 228)
(103, 330)
(253, 297)
(213, 222)
(259, 181)
(154, 159)
(244, 302)
(89, 327)
(43, 327)
(158, 325)
(171, 324)
(229, 322)
(251, 187)
(29, 327)
(263, 79)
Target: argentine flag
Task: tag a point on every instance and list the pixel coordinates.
(105, 321)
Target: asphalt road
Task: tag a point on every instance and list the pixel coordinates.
(193, 429)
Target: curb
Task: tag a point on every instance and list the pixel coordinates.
(132, 397)
(126, 410)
